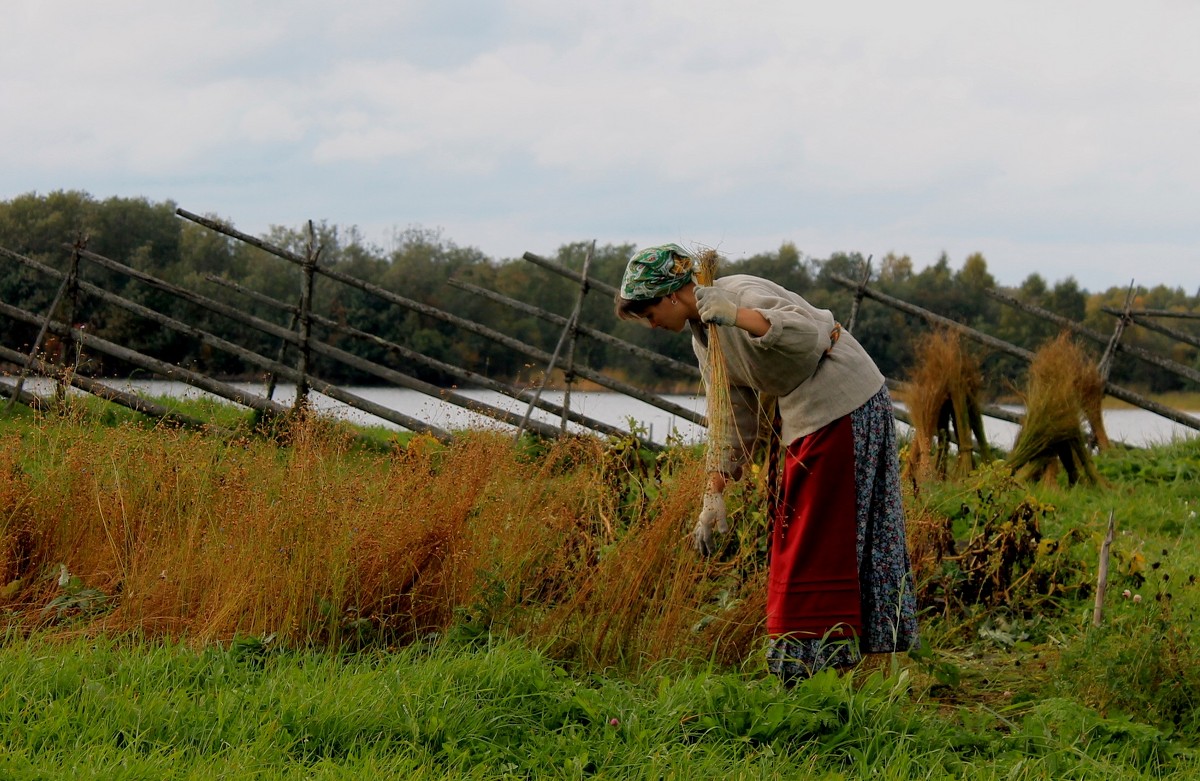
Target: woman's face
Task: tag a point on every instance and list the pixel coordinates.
(668, 314)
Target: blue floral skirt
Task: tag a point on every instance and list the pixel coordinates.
(889, 608)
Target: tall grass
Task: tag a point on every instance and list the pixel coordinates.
(179, 534)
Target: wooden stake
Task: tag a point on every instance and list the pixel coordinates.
(1102, 569)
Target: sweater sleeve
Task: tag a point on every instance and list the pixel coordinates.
(789, 352)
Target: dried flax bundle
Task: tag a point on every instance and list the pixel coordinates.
(942, 396)
(1062, 390)
(718, 406)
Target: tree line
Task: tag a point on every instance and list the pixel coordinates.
(418, 263)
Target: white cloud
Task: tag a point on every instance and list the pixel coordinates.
(1063, 130)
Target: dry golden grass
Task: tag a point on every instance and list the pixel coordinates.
(319, 543)
(942, 393)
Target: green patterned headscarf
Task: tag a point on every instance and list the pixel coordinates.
(656, 271)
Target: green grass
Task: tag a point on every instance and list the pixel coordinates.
(101, 708)
(1022, 687)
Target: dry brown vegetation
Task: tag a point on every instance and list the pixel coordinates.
(579, 547)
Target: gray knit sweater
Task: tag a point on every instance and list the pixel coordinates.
(788, 364)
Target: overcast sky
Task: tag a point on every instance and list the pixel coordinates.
(1053, 137)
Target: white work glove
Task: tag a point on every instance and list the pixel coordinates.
(716, 306)
(712, 513)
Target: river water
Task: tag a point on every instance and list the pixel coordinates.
(1130, 425)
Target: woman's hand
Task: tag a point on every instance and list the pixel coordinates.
(716, 306)
(712, 514)
(720, 307)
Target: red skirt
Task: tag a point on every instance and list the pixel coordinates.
(813, 586)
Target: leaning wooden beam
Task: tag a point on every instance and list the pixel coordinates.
(390, 375)
(14, 393)
(1162, 313)
(991, 410)
(1150, 325)
(1000, 345)
(936, 319)
(128, 400)
(153, 365)
(689, 369)
(513, 344)
(68, 282)
(463, 375)
(1174, 367)
(562, 270)
(248, 356)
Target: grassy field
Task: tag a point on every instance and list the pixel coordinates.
(306, 602)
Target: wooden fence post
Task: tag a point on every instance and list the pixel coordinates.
(272, 379)
(1102, 569)
(569, 373)
(304, 320)
(568, 338)
(68, 343)
(858, 295)
(1106, 361)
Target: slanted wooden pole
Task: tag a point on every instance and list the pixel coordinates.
(1116, 391)
(68, 284)
(561, 270)
(1176, 368)
(129, 400)
(573, 330)
(1106, 361)
(467, 377)
(665, 361)
(1136, 313)
(858, 295)
(1150, 325)
(537, 354)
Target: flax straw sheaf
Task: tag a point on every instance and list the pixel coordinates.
(717, 396)
(1064, 389)
(942, 394)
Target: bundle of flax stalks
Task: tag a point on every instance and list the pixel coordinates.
(718, 409)
(943, 393)
(1064, 389)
